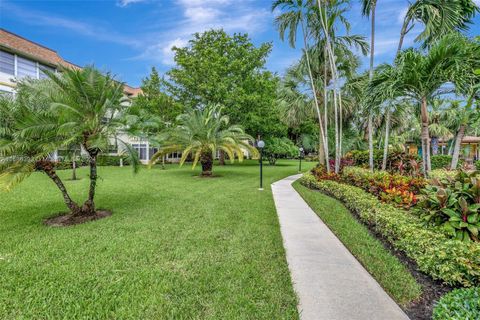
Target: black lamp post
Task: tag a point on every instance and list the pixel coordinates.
(301, 156)
(261, 145)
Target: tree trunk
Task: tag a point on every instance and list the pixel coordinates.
(385, 147)
(372, 59)
(456, 149)
(434, 145)
(72, 205)
(325, 110)
(221, 158)
(88, 207)
(74, 169)
(206, 160)
(403, 32)
(314, 91)
(425, 136)
(163, 162)
(321, 151)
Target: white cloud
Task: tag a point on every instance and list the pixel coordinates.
(202, 15)
(124, 3)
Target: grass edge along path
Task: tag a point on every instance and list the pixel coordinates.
(389, 272)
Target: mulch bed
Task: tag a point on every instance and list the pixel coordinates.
(64, 220)
(432, 290)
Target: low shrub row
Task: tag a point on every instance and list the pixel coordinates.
(397, 161)
(453, 261)
(111, 160)
(459, 304)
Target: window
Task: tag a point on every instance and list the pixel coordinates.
(44, 67)
(7, 63)
(26, 68)
(152, 152)
(142, 151)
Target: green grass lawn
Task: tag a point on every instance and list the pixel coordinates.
(176, 247)
(389, 272)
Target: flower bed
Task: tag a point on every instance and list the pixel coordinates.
(452, 261)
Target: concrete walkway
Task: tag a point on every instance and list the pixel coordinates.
(330, 283)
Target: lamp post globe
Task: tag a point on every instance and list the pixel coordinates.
(261, 145)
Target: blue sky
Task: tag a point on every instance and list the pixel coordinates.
(128, 37)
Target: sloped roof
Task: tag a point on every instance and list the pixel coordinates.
(16, 44)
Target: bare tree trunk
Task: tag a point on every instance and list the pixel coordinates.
(325, 109)
(88, 207)
(385, 147)
(456, 149)
(315, 98)
(221, 158)
(372, 58)
(425, 135)
(74, 169)
(403, 32)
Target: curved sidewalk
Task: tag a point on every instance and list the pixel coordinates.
(330, 283)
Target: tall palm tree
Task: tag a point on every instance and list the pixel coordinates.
(368, 9)
(202, 132)
(422, 75)
(296, 14)
(439, 18)
(89, 105)
(438, 126)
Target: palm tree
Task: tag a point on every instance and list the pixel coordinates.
(89, 107)
(439, 17)
(296, 13)
(368, 9)
(202, 132)
(422, 75)
(29, 134)
(438, 127)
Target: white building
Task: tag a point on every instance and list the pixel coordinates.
(20, 57)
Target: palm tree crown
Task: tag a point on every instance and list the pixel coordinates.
(201, 132)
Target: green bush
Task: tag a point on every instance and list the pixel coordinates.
(442, 161)
(454, 262)
(397, 161)
(68, 164)
(111, 160)
(460, 304)
(276, 148)
(477, 164)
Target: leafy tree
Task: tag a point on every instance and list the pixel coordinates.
(216, 68)
(279, 148)
(202, 132)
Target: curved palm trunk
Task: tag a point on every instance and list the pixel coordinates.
(206, 160)
(387, 135)
(74, 169)
(403, 33)
(372, 57)
(47, 167)
(456, 149)
(221, 158)
(425, 137)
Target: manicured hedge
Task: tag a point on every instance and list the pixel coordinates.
(109, 160)
(452, 261)
(460, 304)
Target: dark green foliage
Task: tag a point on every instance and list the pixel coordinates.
(442, 161)
(477, 165)
(276, 148)
(111, 160)
(460, 304)
(453, 261)
(454, 203)
(68, 164)
(224, 69)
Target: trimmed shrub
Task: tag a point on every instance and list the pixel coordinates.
(397, 161)
(111, 160)
(454, 262)
(459, 304)
(68, 164)
(442, 161)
